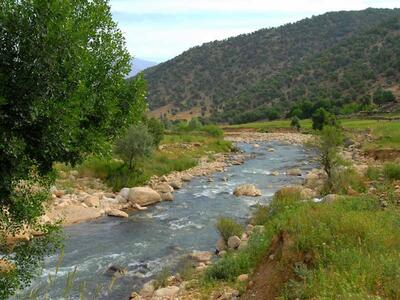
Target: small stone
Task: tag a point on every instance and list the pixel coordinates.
(125, 192)
(249, 228)
(243, 278)
(117, 213)
(176, 184)
(148, 288)
(201, 256)
(164, 188)
(222, 253)
(294, 172)
(187, 178)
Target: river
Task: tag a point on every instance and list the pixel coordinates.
(165, 233)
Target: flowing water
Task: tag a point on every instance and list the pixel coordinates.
(165, 233)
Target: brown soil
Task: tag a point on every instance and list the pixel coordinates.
(276, 270)
(384, 154)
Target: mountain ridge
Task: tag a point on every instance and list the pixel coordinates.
(203, 79)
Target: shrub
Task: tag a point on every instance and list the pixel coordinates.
(373, 173)
(228, 227)
(194, 124)
(295, 123)
(343, 179)
(137, 143)
(156, 129)
(392, 171)
(213, 130)
(260, 215)
(330, 140)
(321, 118)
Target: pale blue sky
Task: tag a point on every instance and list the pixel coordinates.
(158, 30)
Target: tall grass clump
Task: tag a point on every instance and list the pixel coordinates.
(391, 171)
(373, 173)
(213, 130)
(228, 227)
(345, 180)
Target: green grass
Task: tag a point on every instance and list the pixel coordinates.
(173, 157)
(353, 242)
(386, 133)
(228, 227)
(392, 171)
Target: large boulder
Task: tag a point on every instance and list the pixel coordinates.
(201, 256)
(117, 213)
(169, 292)
(294, 172)
(234, 242)
(143, 196)
(148, 288)
(6, 266)
(124, 193)
(167, 196)
(247, 190)
(176, 184)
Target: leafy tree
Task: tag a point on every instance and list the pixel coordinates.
(331, 138)
(295, 123)
(194, 124)
(63, 94)
(381, 96)
(319, 119)
(156, 129)
(137, 143)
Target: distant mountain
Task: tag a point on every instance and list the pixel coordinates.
(138, 65)
(340, 56)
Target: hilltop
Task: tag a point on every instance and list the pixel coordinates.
(343, 56)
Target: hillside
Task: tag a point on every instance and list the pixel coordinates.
(249, 72)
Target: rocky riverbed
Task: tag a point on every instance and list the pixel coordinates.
(165, 233)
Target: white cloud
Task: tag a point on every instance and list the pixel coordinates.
(161, 29)
(181, 6)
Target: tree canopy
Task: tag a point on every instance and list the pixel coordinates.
(63, 94)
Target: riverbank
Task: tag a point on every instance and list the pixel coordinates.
(306, 245)
(90, 198)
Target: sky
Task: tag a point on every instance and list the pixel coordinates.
(158, 30)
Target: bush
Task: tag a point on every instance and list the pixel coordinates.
(392, 171)
(136, 144)
(213, 130)
(260, 215)
(343, 179)
(373, 173)
(331, 138)
(228, 227)
(156, 129)
(295, 123)
(322, 118)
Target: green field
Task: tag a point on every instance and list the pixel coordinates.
(386, 133)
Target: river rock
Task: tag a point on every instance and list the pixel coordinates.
(116, 271)
(117, 213)
(164, 188)
(221, 245)
(135, 296)
(176, 184)
(92, 201)
(294, 172)
(167, 196)
(166, 293)
(247, 190)
(148, 288)
(234, 242)
(125, 192)
(143, 196)
(243, 278)
(201, 256)
(187, 178)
